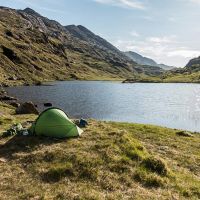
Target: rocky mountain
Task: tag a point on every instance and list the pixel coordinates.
(193, 64)
(34, 48)
(192, 67)
(145, 61)
(140, 59)
(188, 74)
(166, 67)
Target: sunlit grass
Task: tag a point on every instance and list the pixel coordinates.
(110, 160)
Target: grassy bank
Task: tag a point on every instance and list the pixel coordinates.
(193, 78)
(109, 161)
(167, 78)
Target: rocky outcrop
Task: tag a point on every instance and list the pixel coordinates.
(184, 134)
(2, 91)
(7, 98)
(4, 97)
(10, 54)
(14, 104)
(193, 65)
(27, 108)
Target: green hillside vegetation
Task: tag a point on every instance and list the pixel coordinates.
(109, 161)
(173, 76)
(34, 48)
(190, 73)
(183, 78)
(31, 58)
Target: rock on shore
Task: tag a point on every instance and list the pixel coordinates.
(27, 108)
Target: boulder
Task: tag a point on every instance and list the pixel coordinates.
(12, 78)
(2, 92)
(47, 104)
(14, 104)
(39, 83)
(27, 108)
(4, 85)
(184, 134)
(7, 98)
(3, 160)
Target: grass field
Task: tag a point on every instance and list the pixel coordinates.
(109, 161)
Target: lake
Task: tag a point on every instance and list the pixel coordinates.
(172, 105)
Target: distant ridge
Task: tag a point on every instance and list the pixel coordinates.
(145, 61)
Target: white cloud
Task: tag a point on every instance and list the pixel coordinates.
(146, 47)
(187, 53)
(165, 39)
(164, 49)
(133, 4)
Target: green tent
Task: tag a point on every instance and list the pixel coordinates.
(53, 122)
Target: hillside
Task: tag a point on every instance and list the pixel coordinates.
(193, 65)
(189, 74)
(109, 161)
(34, 48)
(145, 61)
(140, 59)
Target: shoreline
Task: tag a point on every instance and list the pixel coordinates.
(40, 106)
(124, 81)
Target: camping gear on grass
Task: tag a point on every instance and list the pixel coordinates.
(53, 122)
(82, 123)
(16, 129)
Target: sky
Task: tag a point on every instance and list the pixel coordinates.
(167, 31)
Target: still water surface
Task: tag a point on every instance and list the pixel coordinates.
(172, 105)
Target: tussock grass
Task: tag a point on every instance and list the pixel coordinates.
(150, 180)
(155, 165)
(109, 161)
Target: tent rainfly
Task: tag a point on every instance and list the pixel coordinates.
(53, 122)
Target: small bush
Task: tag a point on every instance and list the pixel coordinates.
(155, 165)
